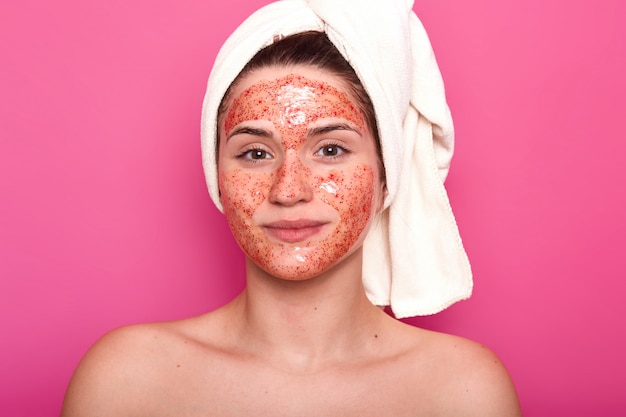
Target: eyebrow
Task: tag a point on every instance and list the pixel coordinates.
(246, 130)
(330, 128)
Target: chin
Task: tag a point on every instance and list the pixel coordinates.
(304, 264)
(295, 270)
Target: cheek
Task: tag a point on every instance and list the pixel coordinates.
(343, 188)
(242, 193)
(351, 193)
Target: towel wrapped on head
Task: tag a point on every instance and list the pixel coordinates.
(413, 258)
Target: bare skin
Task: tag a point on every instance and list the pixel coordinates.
(288, 345)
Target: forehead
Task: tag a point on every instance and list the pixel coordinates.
(268, 74)
(291, 96)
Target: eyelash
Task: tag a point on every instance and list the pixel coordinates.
(246, 154)
(342, 150)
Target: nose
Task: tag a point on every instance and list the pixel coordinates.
(291, 184)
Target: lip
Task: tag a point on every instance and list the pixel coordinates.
(292, 231)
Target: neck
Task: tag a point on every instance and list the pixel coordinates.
(304, 325)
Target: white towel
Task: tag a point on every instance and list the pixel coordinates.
(414, 260)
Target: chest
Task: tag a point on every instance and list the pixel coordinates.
(255, 391)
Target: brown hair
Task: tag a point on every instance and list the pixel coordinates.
(314, 49)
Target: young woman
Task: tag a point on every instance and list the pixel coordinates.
(295, 158)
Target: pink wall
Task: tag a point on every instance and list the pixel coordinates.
(105, 219)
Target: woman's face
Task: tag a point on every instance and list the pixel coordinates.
(298, 170)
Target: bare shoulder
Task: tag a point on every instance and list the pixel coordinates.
(126, 368)
(112, 371)
(471, 379)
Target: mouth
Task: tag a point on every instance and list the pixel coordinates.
(293, 231)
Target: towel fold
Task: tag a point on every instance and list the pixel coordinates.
(414, 259)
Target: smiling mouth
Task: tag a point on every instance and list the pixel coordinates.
(293, 231)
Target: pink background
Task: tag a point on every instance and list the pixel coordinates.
(105, 219)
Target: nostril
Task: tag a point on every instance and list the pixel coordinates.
(291, 184)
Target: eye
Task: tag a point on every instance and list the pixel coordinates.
(255, 154)
(331, 150)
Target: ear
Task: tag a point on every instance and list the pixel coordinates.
(383, 197)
